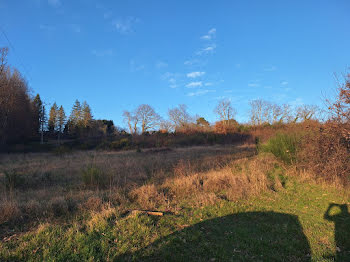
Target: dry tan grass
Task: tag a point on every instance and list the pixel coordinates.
(9, 210)
(228, 181)
(148, 196)
(307, 176)
(238, 179)
(48, 186)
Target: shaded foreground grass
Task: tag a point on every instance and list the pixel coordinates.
(285, 225)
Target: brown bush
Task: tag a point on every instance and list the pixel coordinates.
(326, 153)
(184, 186)
(93, 203)
(226, 127)
(32, 208)
(238, 179)
(58, 206)
(148, 197)
(326, 150)
(9, 211)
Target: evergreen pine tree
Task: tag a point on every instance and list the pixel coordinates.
(53, 119)
(61, 119)
(37, 113)
(86, 114)
(43, 120)
(76, 114)
(39, 116)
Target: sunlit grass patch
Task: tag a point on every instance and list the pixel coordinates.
(282, 146)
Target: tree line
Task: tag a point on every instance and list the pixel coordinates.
(25, 118)
(144, 118)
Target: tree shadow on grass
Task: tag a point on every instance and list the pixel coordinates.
(251, 236)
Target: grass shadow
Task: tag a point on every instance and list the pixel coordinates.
(250, 236)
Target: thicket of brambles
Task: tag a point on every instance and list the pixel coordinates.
(306, 136)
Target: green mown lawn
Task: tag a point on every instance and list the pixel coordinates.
(288, 225)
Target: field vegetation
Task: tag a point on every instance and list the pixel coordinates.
(181, 189)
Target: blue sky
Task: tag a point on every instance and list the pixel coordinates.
(119, 54)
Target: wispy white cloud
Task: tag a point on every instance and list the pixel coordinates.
(208, 84)
(173, 83)
(206, 37)
(207, 50)
(270, 68)
(211, 34)
(200, 92)
(161, 64)
(125, 25)
(212, 31)
(255, 83)
(194, 84)
(172, 79)
(54, 3)
(169, 75)
(102, 52)
(195, 74)
(195, 62)
(284, 83)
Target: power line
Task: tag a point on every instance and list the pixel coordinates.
(14, 51)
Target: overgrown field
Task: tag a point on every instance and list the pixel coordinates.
(42, 187)
(219, 203)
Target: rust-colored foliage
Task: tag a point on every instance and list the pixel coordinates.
(225, 127)
(327, 148)
(341, 107)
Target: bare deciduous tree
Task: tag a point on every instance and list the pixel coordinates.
(275, 113)
(179, 116)
(165, 126)
(306, 112)
(131, 121)
(225, 110)
(287, 115)
(147, 117)
(340, 108)
(259, 111)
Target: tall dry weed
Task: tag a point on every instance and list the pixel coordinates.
(9, 211)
